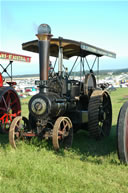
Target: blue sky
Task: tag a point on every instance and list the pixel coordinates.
(100, 23)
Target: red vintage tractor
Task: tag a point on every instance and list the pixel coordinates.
(9, 100)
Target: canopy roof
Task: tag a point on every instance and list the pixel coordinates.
(70, 48)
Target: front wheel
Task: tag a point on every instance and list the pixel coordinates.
(62, 133)
(122, 134)
(17, 128)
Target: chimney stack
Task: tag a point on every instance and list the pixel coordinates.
(44, 36)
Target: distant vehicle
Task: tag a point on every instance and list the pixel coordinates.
(111, 88)
(22, 96)
(32, 93)
(123, 86)
(30, 89)
(103, 85)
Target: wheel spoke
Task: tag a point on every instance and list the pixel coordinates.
(16, 134)
(8, 97)
(60, 132)
(65, 126)
(5, 102)
(102, 131)
(17, 125)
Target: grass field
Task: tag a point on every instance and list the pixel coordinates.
(88, 167)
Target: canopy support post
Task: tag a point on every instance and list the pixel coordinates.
(98, 70)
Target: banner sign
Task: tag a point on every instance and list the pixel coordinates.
(98, 51)
(16, 57)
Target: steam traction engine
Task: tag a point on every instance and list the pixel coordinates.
(9, 100)
(64, 105)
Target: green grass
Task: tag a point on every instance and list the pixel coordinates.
(88, 167)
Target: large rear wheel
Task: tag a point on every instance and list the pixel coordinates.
(9, 107)
(99, 114)
(122, 134)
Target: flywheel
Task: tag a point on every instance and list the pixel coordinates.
(89, 84)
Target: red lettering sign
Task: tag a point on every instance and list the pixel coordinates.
(16, 57)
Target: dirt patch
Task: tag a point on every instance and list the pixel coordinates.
(125, 96)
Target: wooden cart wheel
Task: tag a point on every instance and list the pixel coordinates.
(122, 134)
(9, 107)
(17, 128)
(62, 133)
(99, 114)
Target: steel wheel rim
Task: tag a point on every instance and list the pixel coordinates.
(122, 134)
(126, 137)
(62, 133)
(17, 128)
(106, 122)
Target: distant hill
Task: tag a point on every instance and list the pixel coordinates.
(105, 72)
(25, 75)
(115, 71)
(120, 71)
(77, 73)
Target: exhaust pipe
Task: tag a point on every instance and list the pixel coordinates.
(44, 35)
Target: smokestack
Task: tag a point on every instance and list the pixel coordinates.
(44, 36)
